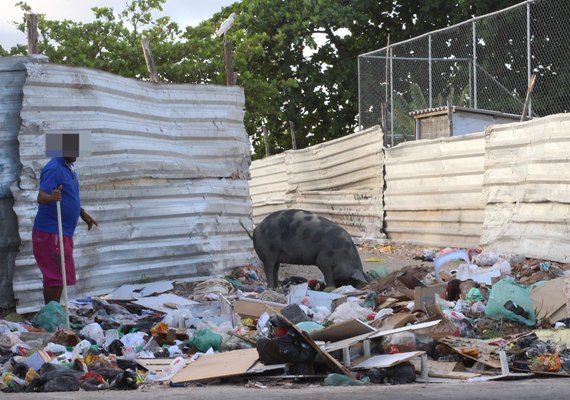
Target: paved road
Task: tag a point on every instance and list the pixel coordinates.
(551, 388)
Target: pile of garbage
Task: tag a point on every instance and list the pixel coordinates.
(463, 314)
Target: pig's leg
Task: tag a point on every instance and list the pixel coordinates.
(271, 268)
(276, 274)
(324, 262)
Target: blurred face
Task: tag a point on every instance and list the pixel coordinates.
(70, 159)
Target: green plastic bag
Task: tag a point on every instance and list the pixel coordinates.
(205, 338)
(50, 317)
(511, 301)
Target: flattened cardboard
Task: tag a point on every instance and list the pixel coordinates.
(157, 303)
(549, 300)
(133, 292)
(342, 330)
(154, 365)
(387, 360)
(396, 320)
(220, 365)
(255, 308)
(425, 296)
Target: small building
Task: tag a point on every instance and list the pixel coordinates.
(449, 121)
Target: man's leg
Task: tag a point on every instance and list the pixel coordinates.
(52, 293)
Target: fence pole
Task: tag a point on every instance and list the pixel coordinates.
(430, 71)
(474, 65)
(359, 98)
(528, 54)
(266, 140)
(32, 31)
(391, 101)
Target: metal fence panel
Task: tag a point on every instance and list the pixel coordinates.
(12, 78)
(527, 187)
(341, 180)
(433, 192)
(167, 179)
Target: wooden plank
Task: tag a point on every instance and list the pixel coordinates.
(220, 365)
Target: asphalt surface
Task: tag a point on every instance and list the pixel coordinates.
(549, 388)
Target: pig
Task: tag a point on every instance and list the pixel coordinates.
(301, 237)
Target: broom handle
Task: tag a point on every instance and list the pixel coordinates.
(62, 259)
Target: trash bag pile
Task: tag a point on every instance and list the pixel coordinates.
(469, 313)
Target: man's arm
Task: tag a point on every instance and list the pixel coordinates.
(47, 198)
(88, 219)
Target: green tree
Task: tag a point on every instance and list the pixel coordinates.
(295, 59)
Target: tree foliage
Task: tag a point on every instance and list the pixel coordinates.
(295, 59)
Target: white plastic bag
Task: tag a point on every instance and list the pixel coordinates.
(95, 332)
(349, 310)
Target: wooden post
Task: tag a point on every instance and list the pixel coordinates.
(228, 62)
(293, 135)
(266, 140)
(528, 96)
(32, 28)
(450, 117)
(147, 51)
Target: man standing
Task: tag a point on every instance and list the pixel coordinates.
(58, 182)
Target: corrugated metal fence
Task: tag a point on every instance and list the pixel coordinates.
(434, 191)
(527, 187)
(507, 188)
(167, 179)
(341, 180)
(12, 78)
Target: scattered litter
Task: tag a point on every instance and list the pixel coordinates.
(474, 317)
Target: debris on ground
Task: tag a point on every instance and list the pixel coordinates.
(457, 314)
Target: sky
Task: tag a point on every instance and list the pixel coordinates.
(185, 12)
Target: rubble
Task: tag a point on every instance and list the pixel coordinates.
(462, 314)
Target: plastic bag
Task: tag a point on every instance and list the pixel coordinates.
(50, 317)
(95, 332)
(349, 310)
(204, 339)
(401, 342)
(511, 301)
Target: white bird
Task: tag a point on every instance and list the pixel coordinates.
(226, 25)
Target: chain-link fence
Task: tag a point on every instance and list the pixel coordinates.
(484, 63)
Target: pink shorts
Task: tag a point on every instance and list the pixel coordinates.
(47, 255)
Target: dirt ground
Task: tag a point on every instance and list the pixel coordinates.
(392, 257)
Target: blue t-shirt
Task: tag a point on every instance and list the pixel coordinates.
(55, 173)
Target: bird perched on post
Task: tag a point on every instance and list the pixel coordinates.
(226, 25)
